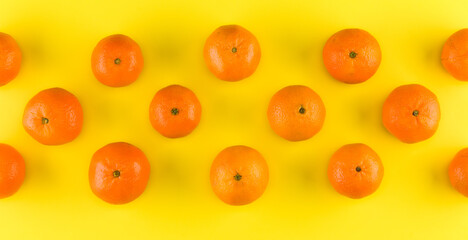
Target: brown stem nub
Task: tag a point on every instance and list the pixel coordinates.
(116, 173)
(358, 169)
(352, 54)
(117, 61)
(415, 113)
(302, 110)
(238, 177)
(45, 121)
(175, 111)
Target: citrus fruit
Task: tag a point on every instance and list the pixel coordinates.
(232, 53)
(458, 172)
(411, 113)
(10, 58)
(296, 113)
(175, 111)
(53, 116)
(239, 175)
(352, 55)
(118, 173)
(355, 170)
(117, 61)
(455, 55)
(12, 170)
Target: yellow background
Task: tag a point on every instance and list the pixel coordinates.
(414, 201)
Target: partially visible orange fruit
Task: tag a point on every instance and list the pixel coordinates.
(458, 172)
(455, 55)
(10, 58)
(12, 170)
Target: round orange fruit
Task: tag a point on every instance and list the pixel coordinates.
(175, 111)
(455, 55)
(296, 113)
(117, 61)
(12, 170)
(53, 116)
(355, 170)
(411, 113)
(458, 172)
(10, 58)
(352, 55)
(119, 173)
(232, 53)
(239, 175)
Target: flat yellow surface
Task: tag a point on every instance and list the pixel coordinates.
(414, 201)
